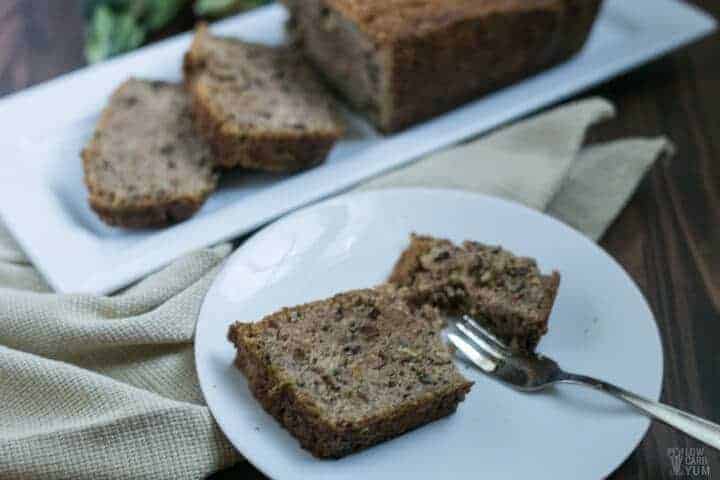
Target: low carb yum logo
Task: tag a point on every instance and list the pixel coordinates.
(689, 462)
(676, 460)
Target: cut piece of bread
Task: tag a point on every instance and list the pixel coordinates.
(260, 107)
(505, 293)
(404, 61)
(349, 372)
(145, 166)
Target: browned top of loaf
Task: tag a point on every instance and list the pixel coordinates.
(387, 20)
(356, 357)
(464, 279)
(145, 151)
(258, 89)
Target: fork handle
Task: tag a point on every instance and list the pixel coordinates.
(696, 427)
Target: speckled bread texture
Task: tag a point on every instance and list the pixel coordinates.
(404, 61)
(260, 107)
(505, 293)
(145, 166)
(346, 373)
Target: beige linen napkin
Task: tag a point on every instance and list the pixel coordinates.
(105, 387)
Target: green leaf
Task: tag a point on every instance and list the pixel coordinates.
(128, 34)
(91, 5)
(159, 13)
(117, 26)
(111, 33)
(213, 7)
(219, 8)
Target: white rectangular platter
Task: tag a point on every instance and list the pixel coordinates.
(43, 129)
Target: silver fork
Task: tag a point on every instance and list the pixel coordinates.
(537, 372)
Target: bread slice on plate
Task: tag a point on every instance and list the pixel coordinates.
(260, 107)
(505, 293)
(351, 371)
(145, 166)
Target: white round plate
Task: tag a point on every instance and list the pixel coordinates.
(601, 325)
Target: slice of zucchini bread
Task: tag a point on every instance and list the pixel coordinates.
(505, 293)
(351, 371)
(145, 166)
(403, 61)
(260, 107)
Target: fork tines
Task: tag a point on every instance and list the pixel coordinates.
(483, 339)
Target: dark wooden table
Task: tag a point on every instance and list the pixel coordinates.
(668, 237)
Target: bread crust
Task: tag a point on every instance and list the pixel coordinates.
(148, 216)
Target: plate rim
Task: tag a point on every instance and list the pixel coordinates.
(567, 229)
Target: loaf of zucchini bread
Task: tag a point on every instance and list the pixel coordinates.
(351, 371)
(403, 61)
